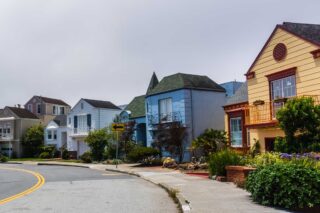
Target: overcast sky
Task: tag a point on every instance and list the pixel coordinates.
(108, 49)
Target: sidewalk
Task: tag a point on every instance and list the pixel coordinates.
(203, 195)
(195, 194)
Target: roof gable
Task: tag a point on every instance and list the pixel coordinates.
(101, 104)
(185, 81)
(137, 107)
(307, 32)
(22, 113)
(153, 82)
(49, 100)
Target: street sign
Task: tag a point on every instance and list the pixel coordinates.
(117, 127)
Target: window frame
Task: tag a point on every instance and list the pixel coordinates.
(167, 116)
(38, 108)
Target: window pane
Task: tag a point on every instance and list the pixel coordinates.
(236, 132)
(49, 133)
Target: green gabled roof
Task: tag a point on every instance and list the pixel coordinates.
(137, 107)
(185, 81)
(153, 82)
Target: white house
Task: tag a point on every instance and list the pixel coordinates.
(85, 116)
(56, 132)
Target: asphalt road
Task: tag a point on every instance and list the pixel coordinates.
(72, 189)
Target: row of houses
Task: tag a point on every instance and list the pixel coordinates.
(287, 66)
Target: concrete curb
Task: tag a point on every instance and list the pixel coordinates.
(62, 164)
(10, 162)
(183, 204)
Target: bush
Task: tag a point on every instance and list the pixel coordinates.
(287, 185)
(97, 141)
(65, 154)
(210, 141)
(33, 140)
(3, 158)
(152, 161)
(255, 149)
(281, 145)
(265, 159)
(140, 153)
(45, 155)
(86, 157)
(218, 161)
(51, 150)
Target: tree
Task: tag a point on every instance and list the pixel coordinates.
(33, 140)
(97, 140)
(170, 138)
(209, 141)
(300, 121)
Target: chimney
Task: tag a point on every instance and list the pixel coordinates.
(19, 106)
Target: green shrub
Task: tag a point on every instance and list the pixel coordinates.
(256, 148)
(45, 155)
(281, 145)
(287, 185)
(218, 161)
(51, 150)
(315, 147)
(210, 141)
(97, 140)
(65, 154)
(86, 157)
(140, 153)
(264, 159)
(3, 158)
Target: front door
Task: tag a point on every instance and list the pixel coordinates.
(269, 144)
(236, 131)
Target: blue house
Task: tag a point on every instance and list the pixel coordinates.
(135, 112)
(193, 101)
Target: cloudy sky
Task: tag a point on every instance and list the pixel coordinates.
(108, 49)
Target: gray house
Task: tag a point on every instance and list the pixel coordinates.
(14, 122)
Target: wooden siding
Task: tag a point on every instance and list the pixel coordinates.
(298, 55)
(307, 76)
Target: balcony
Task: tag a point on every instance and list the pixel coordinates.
(162, 118)
(80, 132)
(6, 137)
(264, 113)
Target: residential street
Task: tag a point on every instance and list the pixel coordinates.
(72, 189)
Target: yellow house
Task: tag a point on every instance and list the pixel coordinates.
(287, 66)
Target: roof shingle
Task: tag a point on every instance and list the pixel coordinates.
(52, 101)
(309, 32)
(137, 107)
(22, 113)
(185, 81)
(101, 104)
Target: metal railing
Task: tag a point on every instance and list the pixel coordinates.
(6, 136)
(81, 131)
(164, 118)
(266, 112)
